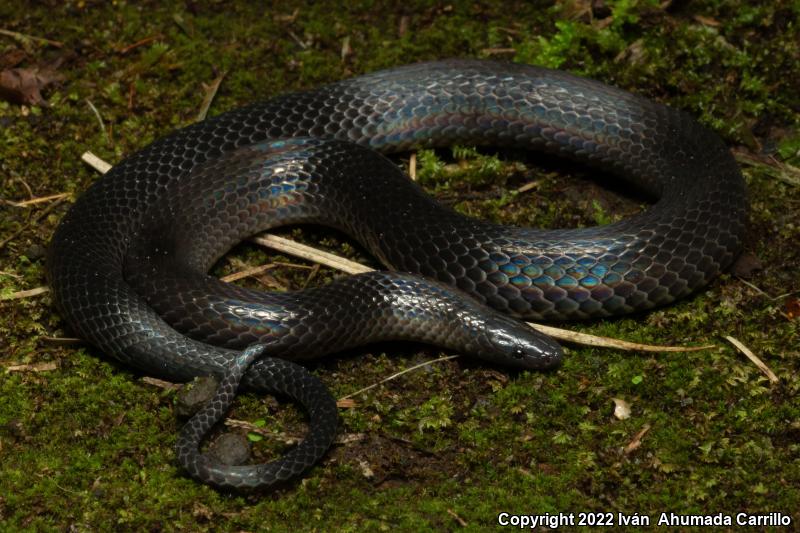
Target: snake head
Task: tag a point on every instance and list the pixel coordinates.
(513, 343)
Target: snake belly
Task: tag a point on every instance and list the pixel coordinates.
(128, 262)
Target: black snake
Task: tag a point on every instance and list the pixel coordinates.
(128, 262)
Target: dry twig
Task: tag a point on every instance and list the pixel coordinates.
(95, 162)
(211, 92)
(461, 521)
(297, 249)
(39, 367)
(40, 200)
(60, 341)
(398, 374)
(147, 40)
(99, 119)
(34, 220)
(637, 440)
(781, 171)
(24, 38)
(25, 294)
(160, 383)
(754, 358)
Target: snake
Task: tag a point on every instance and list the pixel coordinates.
(128, 264)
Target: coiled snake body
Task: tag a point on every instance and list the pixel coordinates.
(128, 262)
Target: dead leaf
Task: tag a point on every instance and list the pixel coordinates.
(24, 85)
(347, 50)
(201, 511)
(746, 265)
(12, 58)
(346, 403)
(622, 409)
(706, 21)
(402, 28)
(637, 440)
(577, 10)
(366, 470)
(288, 19)
(792, 306)
(635, 54)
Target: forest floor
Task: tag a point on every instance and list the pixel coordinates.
(87, 444)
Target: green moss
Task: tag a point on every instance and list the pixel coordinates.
(88, 445)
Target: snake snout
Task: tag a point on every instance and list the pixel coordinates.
(513, 343)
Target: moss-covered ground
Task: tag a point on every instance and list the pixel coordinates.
(87, 445)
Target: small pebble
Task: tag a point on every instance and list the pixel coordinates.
(35, 252)
(231, 449)
(195, 395)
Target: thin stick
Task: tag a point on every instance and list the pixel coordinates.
(528, 186)
(22, 37)
(754, 358)
(40, 200)
(247, 272)
(607, 342)
(297, 39)
(34, 220)
(758, 290)
(347, 50)
(137, 44)
(25, 294)
(312, 254)
(211, 92)
(311, 276)
(275, 435)
(772, 167)
(161, 384)
(496, 51)
(95, 162)
(39, 367)
(461, 521)
(398, 374)
(60, 341)
(99, 119)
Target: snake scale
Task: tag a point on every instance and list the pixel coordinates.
(128, 264)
